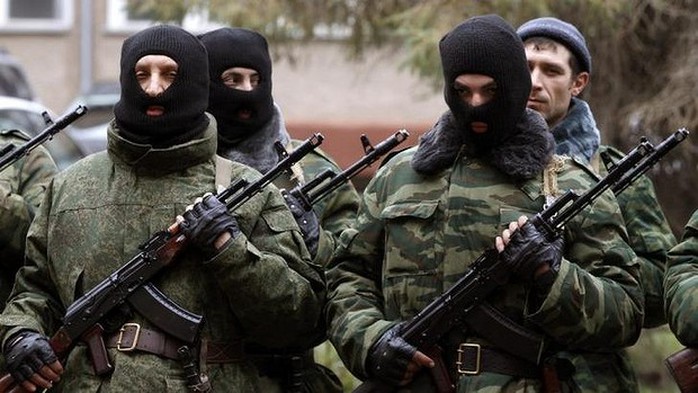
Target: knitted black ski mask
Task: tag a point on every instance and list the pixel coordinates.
(236, 47)
(185, 100)
(486, 45)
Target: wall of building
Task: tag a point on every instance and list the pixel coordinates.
(322, 85)
(320, 90)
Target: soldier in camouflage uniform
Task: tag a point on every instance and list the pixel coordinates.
(247, 272)
(22, 187)
(433, 209)
(560, 65)
(551, 42)
(681, 288)
(249, 122)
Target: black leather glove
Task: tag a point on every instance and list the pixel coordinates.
(389, 357)
(206, 221)
(26, 352)
(528, 249)
(307, 222)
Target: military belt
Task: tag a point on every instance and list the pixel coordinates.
(473, 359)
(133, 337)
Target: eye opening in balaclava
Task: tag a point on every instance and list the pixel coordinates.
(236, 47)
(486, 45)
(185, 100)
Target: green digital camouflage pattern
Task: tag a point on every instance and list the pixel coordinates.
(650, 237)
(22, 187)
(336, 211)
(415, 236)
(261, 286)
(681, 285)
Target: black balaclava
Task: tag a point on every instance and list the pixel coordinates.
(236, 47)
(486, 45)
(185, 100)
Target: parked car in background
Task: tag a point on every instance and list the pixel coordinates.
(28, 116)
(90, 131)
(13, 80)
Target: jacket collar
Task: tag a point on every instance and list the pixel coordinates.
(146, 158)
(576, 135)
(523, 155)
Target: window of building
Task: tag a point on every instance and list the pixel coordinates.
(120, 19)
(36, 15)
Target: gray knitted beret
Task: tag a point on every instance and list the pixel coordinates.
(561, 31)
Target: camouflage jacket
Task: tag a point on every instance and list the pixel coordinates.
(650, 236)
(22, 187)
(335, 212)
(681, 285)
(260, 288)
(416, 235)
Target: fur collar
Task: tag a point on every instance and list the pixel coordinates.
(258, 150)
(521, 156)
(576, 135)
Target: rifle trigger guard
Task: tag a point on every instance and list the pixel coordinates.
(136, 336)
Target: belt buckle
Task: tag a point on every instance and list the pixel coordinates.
(136, 336)
(459, 362)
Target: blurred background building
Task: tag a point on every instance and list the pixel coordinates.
(69, 51)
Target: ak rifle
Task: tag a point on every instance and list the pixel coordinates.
(328, 181)
(173, 319)
(82, 318)
(488, 272)
(11, 153)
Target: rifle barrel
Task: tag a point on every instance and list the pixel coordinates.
(10, 154)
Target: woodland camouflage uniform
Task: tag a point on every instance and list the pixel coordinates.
(432, 210)
(650, 236)
(577, 135)
(649, 233)
(434, 227)
(22, 187)
(681, 285)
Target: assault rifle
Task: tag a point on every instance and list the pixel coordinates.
(11, 153)
(82, 318)
(488, 272)
(173, 319)
(311, 192)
